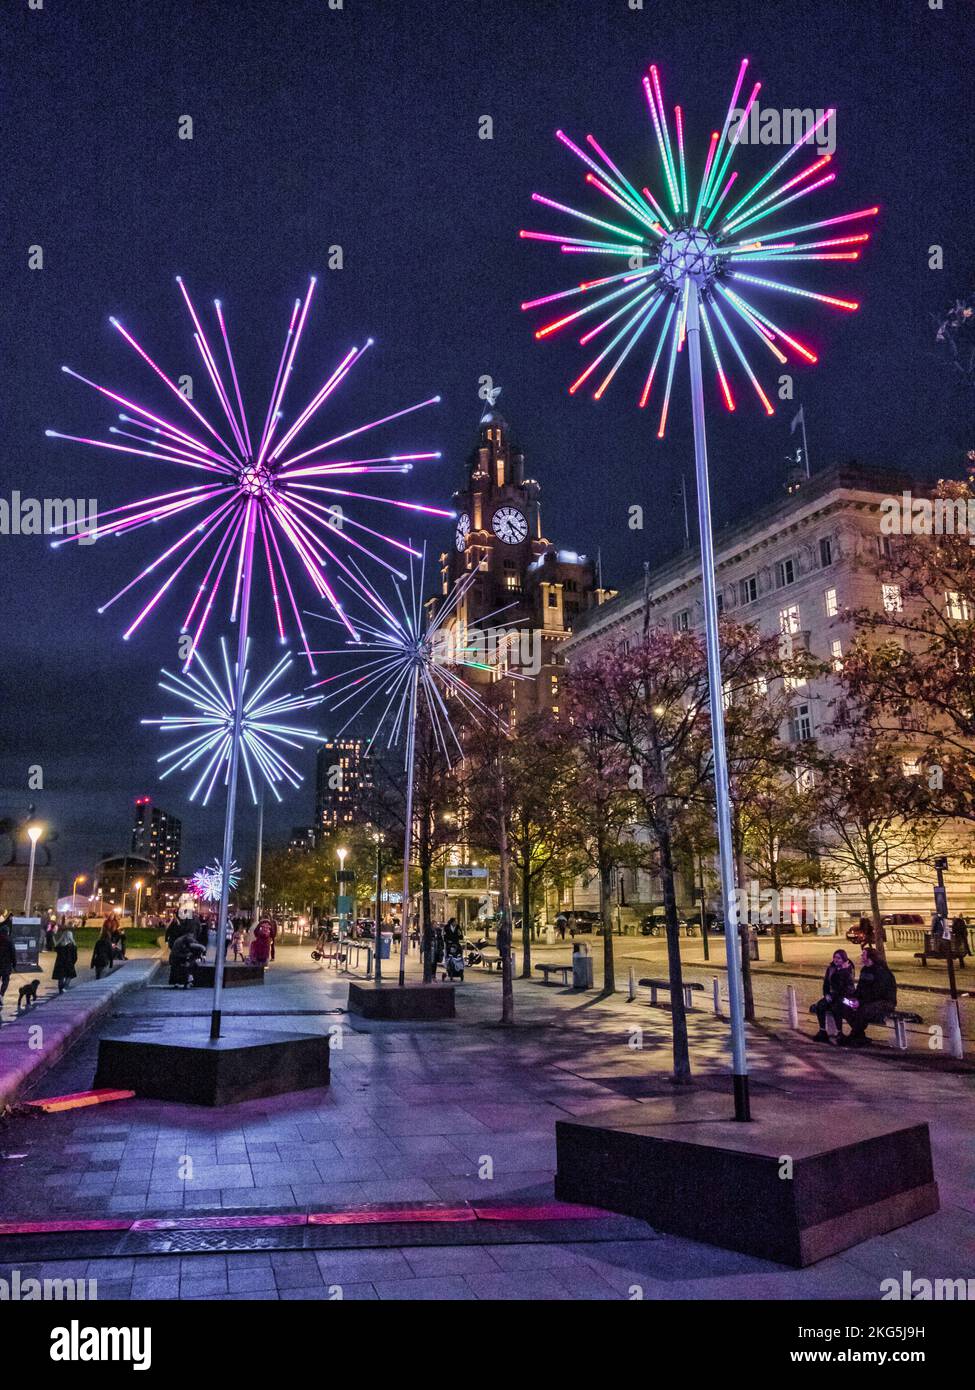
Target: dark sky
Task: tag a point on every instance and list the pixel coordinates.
(360, 127)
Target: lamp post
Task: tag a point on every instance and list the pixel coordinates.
(342, 896)
(138, 901)
(378, 838)
(34, 833)
(78, 878)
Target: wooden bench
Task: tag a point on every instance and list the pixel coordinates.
(564, 970)
(898, 1017)
(656, 985)
(925, 956)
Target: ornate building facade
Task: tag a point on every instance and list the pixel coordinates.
(518, 613)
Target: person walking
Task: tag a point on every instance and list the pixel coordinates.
(174, 931)
(959, 930)
(237, 940)
(261, 944)
(838, 985)
(104, 953)
(561, 923)
(273, 928)
(8, 960)
(65, 960)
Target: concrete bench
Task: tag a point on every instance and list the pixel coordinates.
(657, 985)
(564, 970)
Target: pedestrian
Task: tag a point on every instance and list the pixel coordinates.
(65, 960)
(874, 998)
(50, 932)
(273, 927)
(185, 951)
(561, 922)
(174, 931)
(104, 953)
(959, 930)
(237, 941)
(838, 985)
(8, 959)
(203, 933)
(119, 943)
(261, 944)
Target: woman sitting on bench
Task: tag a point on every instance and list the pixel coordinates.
(837, 986)
(875, 998)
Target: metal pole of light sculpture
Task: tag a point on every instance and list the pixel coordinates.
(690, 260)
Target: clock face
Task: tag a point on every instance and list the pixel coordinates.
(510, 525)
(460, 535)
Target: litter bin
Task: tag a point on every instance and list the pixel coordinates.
(385, 944)
(581, 967)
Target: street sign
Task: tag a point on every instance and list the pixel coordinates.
(344, 905)
(463, 875)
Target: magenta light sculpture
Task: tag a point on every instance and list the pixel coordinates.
(692, 260)
(262, 498)
(407, 657)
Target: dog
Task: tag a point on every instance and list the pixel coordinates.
(27, 995)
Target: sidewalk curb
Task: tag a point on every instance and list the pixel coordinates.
(64, 1018)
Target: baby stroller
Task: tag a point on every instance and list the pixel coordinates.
(454, 961)
(474, 950)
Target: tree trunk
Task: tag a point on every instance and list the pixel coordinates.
(878, 931)
(777, 955)
(682, 1056)
(504, 928)
(426, 936)
(526, 912)
(605, 917)
(744, 939)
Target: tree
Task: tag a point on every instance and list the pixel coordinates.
(864, 800)
(538, 759)
(487, 779)
(913, 662)
(652, 702)
(601, 809)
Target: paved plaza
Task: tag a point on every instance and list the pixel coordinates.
(448, 1114)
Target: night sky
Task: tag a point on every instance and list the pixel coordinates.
(359, 127)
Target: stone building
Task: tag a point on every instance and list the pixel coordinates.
(791, 567)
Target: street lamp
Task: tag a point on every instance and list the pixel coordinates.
(78, 878)
(343, 923)
(378, 838)
(138, 900)
(34, 833)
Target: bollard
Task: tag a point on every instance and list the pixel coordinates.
(953, 1037)
(792, 1005)
(716, 994)
(631, 990)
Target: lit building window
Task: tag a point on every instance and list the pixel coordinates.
(832, 606)
(957, 606)
(789, 619)
(891, 594)
(836, 651)
(911, 767)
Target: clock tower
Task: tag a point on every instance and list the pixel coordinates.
(540, 589)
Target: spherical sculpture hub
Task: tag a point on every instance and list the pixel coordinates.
(256, 480)
(688, 251)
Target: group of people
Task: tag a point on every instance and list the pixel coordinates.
(855, 1002)
(189, 937)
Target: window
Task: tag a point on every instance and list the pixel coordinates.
(891, 594)
(553, 600)
(761, 686)
(805, 779)
(749, 589)
(785, 573)
(826, 551)
(957, 607)
(801, 723)
(884, 548)
(832, 607)
(511, 582)
(794, 682)
(789, 619)
(911, 767)
(836, 652)
(682, 620)
(720, 604)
